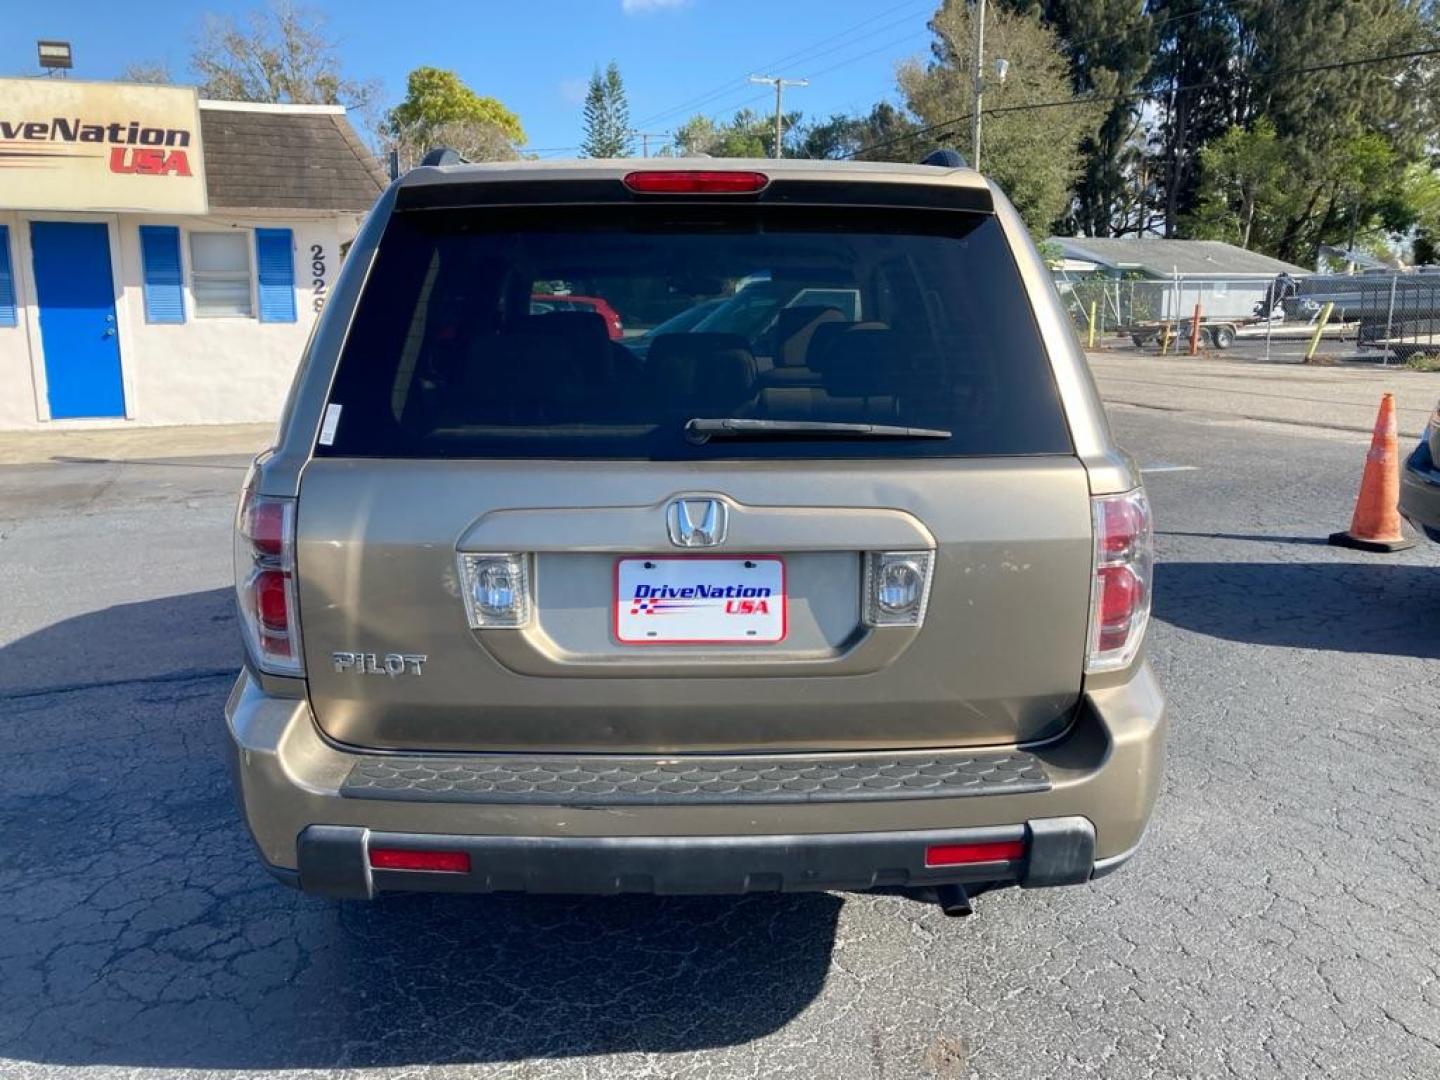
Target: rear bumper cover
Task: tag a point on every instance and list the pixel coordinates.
(334, 861)
(1088, 817)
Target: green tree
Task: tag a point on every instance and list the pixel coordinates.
(440, 110)
(885, 133)
(1242, 174)
(1349, 132)
(1033, 153)
(1111, 46)
(1257, 189)
(746, 135)
(607, 116)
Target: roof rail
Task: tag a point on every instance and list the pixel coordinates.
(944, 159)
(443, 155)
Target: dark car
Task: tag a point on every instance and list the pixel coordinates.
(1420, 482)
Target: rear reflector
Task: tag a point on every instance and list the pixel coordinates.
(963, 854)
(696, 182)
(444, 862)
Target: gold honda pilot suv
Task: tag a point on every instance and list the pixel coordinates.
(825, 575)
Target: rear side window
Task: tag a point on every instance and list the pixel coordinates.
(464, 343)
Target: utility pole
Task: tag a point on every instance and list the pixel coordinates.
(979, 84)
(779, 84)
(645, 137)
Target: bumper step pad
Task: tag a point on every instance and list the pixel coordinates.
(774, 778)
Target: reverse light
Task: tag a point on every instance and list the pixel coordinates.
(265, 581)
(1124, 569)
(496, 590)
(444, 862)
(897, 587)
(696, 182)
(965, 854)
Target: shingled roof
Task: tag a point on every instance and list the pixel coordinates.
(1161, 258)
(285, 157)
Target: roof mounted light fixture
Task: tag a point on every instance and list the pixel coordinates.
(55, 55)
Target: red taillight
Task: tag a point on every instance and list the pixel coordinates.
(964, 854)
(696, 182)
(1120, 596)
(1123, 523)
(265, 581)
(270, 601)
(443, 862)
(267, 527)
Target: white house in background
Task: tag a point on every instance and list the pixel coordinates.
(162, 258)
(1174, 275)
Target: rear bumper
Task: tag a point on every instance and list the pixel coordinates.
(1420, 492)
(334, 861)
(315, 830)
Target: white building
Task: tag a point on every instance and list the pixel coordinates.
(1167, 278)
(162, 258)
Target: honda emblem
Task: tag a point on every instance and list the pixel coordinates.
(697, 523)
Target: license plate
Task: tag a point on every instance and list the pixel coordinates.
(700, 600)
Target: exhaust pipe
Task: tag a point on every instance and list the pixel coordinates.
(953, 900)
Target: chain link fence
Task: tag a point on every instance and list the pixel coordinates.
(1398, 314)
(1144, 307)
(1386, 317)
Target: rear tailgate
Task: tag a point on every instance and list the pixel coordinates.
(998, 658)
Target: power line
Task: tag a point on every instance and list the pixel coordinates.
(814, 51)
(1146, 94)
(813, 55)
(805, 55)
(747, 102)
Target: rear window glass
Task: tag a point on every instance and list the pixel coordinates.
(600, 332)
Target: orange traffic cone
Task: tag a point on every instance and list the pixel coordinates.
(1376, 524)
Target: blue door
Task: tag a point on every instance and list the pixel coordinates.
(76, 296)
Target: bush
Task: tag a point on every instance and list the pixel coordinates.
(1423, 362)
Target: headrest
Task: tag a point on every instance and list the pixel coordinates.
(701, 371)
(862, 361)
(827, 335)
(795, 328)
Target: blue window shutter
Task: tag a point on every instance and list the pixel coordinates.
(275, 264)
(7, 281)
(160, 263)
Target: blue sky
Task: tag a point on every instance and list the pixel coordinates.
(678, 57)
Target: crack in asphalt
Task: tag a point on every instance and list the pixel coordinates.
(192, 675)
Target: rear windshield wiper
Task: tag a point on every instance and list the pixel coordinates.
(702, 430)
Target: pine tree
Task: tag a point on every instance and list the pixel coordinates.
(607, 116)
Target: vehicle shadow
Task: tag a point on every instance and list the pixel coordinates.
(137, 928)
(1384, 608)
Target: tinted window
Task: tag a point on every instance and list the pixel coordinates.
(463, 346)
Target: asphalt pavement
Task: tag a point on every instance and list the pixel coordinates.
(1279, 922)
